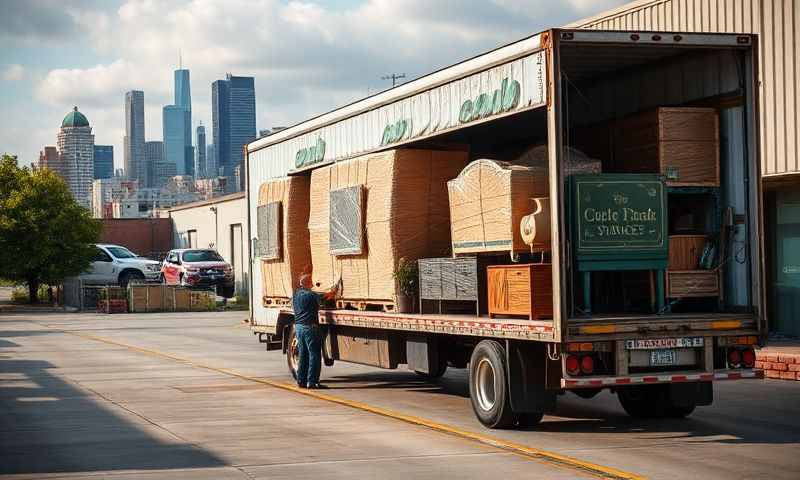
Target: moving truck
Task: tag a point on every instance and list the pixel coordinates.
(655, 259)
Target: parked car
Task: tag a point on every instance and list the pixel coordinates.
(115, 264)
(195, 267)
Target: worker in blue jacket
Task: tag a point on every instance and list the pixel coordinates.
(305, 304)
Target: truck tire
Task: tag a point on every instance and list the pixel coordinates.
(129, 276)
(644, 401)
(292, 353)
(488, 385)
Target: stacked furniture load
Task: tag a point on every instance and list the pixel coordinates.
(370, 212)
(283, 247)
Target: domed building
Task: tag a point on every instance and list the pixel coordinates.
(76, 147)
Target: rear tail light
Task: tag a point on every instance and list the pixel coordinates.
(749, 358)
(734, 358)
(587, 364)
(573, 365)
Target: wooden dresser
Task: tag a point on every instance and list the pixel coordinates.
(520, 290)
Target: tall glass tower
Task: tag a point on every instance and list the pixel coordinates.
(200, 166)
(233, 104)
(133, 154)
(178, 126)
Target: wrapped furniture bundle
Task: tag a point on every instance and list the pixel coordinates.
(283, 246)
(487, 202)
(369, 212)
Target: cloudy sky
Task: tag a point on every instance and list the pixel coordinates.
(307, 57)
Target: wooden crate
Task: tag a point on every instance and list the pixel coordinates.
(404, 213)
(520, 290)
(685, 251)
(680, 143)
(692, 283)
(168, 298)
(487, 202)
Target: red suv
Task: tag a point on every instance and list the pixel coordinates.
(193, 267)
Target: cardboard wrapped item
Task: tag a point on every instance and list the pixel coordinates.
(574, 162)
(487, 202)
(283, 245)
(386, 206)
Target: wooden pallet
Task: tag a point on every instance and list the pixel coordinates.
(365, 305)
(277, 301)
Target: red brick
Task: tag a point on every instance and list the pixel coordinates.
(779, 366)
(788, 375)
(772, 358)
(773, 374)
(794, 367)
(759, 364)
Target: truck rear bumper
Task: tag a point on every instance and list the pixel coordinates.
(671, 377)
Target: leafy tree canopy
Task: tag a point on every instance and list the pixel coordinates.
(45, 236)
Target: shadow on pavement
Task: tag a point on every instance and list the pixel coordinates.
(48, 425)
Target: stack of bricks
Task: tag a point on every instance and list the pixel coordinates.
(785, 366)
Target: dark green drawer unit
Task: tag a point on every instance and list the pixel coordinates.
(619, 222)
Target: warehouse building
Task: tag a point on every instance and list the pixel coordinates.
(777, 22)
(220, 224)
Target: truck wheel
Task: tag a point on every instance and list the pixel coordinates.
(488, 385)
(644, 401)
(529, 419)
(292, 353)
(679, 412)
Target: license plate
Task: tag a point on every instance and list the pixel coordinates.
(662, 357)
(654, 343)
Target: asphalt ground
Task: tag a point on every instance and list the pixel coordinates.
(196, 396)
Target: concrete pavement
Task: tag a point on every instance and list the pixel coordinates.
(177, 396)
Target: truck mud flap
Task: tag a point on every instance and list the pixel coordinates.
(527, 366)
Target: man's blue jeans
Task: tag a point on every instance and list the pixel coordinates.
(309, 345)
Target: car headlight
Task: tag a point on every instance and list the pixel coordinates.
(152, 268)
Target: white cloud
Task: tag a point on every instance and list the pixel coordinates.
(14, 72)
(306, 57)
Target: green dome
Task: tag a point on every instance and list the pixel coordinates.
(75, 119)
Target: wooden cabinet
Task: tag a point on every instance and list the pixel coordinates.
(685, 251)
(448, 279)
(520, 290)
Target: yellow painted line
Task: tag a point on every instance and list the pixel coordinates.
(594, 469)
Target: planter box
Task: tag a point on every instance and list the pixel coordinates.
(168, 298)
(112, 306)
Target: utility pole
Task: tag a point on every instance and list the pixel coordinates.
(394, 78)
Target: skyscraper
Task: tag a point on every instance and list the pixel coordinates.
(135, 165)
(103, 161)
(174, 123)
(76, 147)
(233, 104)
(183, 98)
(154, 157)
(200, 167)
(211, 163)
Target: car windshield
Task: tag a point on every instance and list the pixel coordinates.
(121, 252)
(201, 256)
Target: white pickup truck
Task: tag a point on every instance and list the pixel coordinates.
(115, 264)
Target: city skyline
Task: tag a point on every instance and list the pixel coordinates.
(233, 120)
(306, 58)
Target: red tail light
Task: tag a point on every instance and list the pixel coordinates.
(587, 364)
(749, 358)
(734, 358)
(573, 366)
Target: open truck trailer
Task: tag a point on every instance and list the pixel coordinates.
(627, 313)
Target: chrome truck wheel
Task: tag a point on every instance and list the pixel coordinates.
(292, 354)
(488, 385)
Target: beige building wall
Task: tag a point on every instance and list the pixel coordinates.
(777, 22)
(197, 225)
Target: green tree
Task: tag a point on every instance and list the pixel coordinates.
(45, 236)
